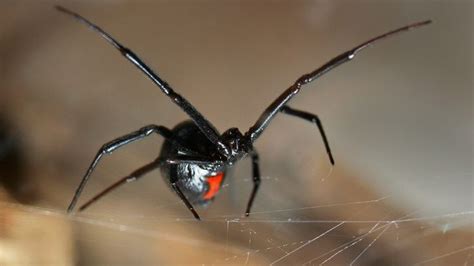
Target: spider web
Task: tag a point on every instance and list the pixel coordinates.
(348, 233)
(277, 251)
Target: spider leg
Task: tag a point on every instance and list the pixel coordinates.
(313, 119)
(263, 121)
(111, 146)
(140, 172)
(256, 180)
(204, 125)
(178, 191)
(135, 175)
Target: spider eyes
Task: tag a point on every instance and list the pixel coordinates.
(232, 133)
(233, 138)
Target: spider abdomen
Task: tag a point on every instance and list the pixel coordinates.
(190, 162)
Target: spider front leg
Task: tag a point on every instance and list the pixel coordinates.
(256, 180)
(275, 107)
(111, 146)
(313, 119)
(204, 125)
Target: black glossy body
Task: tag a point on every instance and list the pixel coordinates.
(180, 162)
(195, 157)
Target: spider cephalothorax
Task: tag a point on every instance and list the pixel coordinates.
(195, 158)
(237, 145)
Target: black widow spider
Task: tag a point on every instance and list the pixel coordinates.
(195, 157)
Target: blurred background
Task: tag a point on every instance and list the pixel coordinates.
(398, 119)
